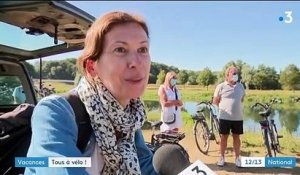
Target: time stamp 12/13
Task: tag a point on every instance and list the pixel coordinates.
(268, 161)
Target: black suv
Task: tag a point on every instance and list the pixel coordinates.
(63, 25)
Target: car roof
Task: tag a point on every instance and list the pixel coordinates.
(60, 20)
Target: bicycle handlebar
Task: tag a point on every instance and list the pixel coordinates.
(155, 124)
(266, 106)
(204, 102)
(208, 105)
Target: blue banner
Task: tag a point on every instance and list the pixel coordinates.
(31, 161)
(280, 162)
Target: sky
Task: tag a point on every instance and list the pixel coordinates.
(197, 34)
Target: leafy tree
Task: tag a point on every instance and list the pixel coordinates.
(192, 80)
(247, 74)
(161, 77)
(290, 77)
(152, 79)
(182, 77)
(63, 69)
(258, 80)
(206, 78)
(156, 68)
(30, 68)
(266, 78)
(173, 68)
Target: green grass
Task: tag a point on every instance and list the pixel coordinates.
(197, 93)
(250, 140)
(194, 93)
(60, 87)
(288, 144)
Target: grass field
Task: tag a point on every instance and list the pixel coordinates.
(197, 93)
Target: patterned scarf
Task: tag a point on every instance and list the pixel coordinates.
(108, 116)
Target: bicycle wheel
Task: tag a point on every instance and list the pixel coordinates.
(275, 136)
(268, 142)
(216, 130)
(201, 134)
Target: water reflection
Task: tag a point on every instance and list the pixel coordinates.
(152, 105)
(287, 119)
(290, 119)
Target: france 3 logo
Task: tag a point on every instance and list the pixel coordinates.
(288, 18)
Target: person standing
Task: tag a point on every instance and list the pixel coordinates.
(19, 95)
(228, 96)
(171, 103)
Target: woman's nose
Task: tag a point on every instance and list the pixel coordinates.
(134, 60)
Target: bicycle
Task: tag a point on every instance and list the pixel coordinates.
(45, 91)
(201, 130)
(269, 130)
(167, 137)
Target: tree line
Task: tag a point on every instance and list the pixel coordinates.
(262, 77)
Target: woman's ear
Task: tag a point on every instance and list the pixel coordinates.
(90, 67)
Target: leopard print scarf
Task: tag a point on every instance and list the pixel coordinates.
(108, 116)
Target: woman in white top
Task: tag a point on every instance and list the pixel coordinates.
(171, 103)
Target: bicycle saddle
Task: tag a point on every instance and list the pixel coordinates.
(265, 113)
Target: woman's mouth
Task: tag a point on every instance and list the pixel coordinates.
(134, 80)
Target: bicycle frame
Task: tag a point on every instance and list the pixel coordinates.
(203, 131)
(267, 131)
(271, 141)
(212, 118)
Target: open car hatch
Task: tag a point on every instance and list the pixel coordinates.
(58, 19)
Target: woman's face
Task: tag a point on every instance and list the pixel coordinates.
(124, 65)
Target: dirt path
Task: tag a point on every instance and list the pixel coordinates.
(230, 168)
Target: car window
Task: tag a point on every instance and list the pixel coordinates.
(11, 90)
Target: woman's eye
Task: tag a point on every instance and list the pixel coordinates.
(143, 50)
(120, 50)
